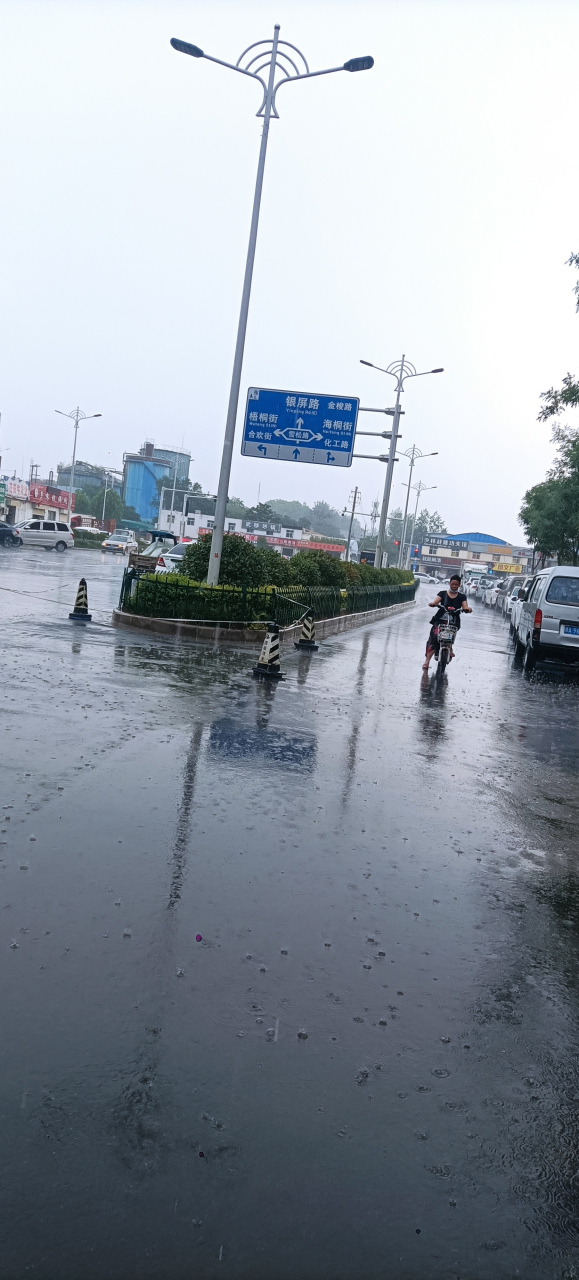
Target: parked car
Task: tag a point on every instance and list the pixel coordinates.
(50, 534)
(425, 577)
(517, 599)
(7, 538)
(509, 594)
(548, 626)
(171, 560)
(502, 592)
(489, 594)
(120, 543)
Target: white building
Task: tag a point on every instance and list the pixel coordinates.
(286, 539)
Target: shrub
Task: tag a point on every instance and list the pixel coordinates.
(244, 564)
(88, 537)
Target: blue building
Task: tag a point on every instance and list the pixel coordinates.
(143, 469)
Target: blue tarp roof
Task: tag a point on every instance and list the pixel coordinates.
(479, 537)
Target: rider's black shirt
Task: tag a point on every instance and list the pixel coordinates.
(453, 606)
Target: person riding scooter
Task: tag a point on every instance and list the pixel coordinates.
(454, 603)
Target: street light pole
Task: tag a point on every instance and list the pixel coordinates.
(420, 489)
(271, 59)
(396, 370)
(77, 416)
(413, 454)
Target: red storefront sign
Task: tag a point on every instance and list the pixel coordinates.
(43, 496)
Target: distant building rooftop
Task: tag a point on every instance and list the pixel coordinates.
(478, 537)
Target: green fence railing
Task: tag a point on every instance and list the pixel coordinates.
(156, 595)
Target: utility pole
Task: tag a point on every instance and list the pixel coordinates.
(354, 501)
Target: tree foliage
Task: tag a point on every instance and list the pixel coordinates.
(243, 564)
(555, 400)
(550, 511)
(91, 504)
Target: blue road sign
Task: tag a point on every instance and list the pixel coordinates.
(294, 427)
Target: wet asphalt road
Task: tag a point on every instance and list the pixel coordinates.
(366, 1068)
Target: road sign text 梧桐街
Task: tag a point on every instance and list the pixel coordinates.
(293, 426)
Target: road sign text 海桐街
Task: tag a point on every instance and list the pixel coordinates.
(292, 426)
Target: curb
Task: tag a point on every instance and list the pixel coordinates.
(220, 635)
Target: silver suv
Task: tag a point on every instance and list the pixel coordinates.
(44, 533)
(548, 626)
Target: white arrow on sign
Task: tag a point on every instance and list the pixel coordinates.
(299, 422)
(305, 436)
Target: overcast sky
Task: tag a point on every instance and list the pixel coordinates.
(427, 207)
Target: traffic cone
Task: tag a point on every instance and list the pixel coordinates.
(307, 639)
(268, 661)
(81, 613)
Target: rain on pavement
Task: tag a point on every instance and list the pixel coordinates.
(289, 974)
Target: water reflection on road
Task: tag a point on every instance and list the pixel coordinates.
(290, 975)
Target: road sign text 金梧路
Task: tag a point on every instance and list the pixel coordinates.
(294, 426)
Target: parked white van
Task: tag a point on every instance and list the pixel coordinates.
(50, 534)
(548, 626)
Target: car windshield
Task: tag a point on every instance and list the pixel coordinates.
(563, 591)
(178, 551)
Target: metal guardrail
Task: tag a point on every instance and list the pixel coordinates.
(160, 596)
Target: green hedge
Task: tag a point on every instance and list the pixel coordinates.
(84, 538)
(172, 595)
(243, 564)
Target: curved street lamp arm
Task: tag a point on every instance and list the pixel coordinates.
(379, 368)
(182, 46)
(309, 75)
(423, 374)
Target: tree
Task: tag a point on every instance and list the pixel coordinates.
(235, 508)
(555, 401)
(296, 513)
(327, 520)
(550, 518)
(83, 502)
(550, 511)
(261, 514)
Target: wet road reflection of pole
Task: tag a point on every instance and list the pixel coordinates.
(352, 747)
(178, 859)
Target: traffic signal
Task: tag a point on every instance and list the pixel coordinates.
(397, 542)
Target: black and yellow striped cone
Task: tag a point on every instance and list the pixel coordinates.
(307, 639)
(268, 661)
(81, 613)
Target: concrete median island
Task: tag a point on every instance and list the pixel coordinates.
(228, 633)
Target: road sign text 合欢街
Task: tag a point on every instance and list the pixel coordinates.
(295, 427)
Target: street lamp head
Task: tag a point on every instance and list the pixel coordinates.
(359, 64)
(368, 362)
(437, 370)
(183, 47)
